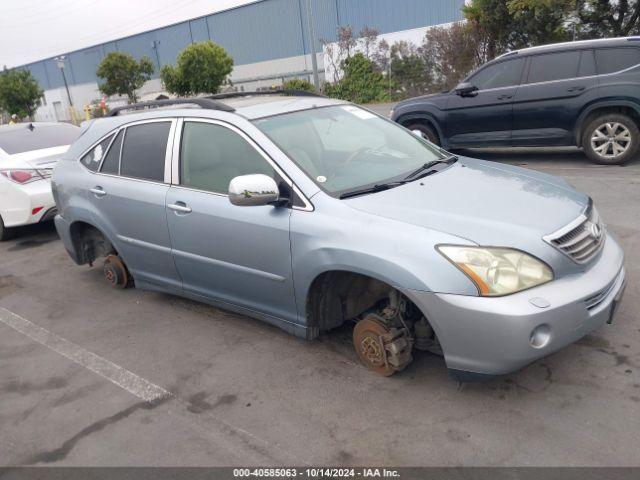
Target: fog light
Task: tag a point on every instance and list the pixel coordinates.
(540, 336)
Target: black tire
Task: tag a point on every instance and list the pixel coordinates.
(5, 233)
(609, 126)
(427, 131)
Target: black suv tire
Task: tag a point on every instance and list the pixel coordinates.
(606, 134)
(427, 131)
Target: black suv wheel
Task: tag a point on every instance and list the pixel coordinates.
(611, 139)
(428, 132)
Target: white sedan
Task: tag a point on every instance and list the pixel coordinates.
(28, 153)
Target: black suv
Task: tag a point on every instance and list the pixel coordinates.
(583, 93)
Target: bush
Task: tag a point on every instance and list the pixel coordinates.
(201, 68)
(298, 84)
(362, 83)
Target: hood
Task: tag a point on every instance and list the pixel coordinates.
(44, 158)
(421, 98)
(487, 203)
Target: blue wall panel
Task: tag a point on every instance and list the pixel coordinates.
(325, 16)
(391, 16)
(139, 46)
(53, 73)
(39, 73)
(260, 31)
(199, 32)
(171, 40)
(84, 64)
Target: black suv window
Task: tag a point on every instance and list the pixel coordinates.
(144, 150)
(611, 60)
(503, 74)
(111, 162)
(212, 155)
(553, 66)
(92, 159)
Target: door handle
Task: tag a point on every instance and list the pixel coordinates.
(576, 89)
(98, 191)
(504, 97)
(179, 207)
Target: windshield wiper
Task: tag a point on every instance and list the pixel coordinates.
(448, 160)
(379, 187)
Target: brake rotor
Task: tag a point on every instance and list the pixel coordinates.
(115, 272)
(369, 345)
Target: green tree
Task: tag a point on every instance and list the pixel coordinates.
(19, 93)
(512, 24)
(123, 75)
(361, 83)
(298, 84)
(201, 68)
(605, 18)
(411, 71)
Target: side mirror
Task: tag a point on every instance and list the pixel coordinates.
(465, 89)
(253, 190)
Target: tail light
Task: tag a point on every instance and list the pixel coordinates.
(24, 176)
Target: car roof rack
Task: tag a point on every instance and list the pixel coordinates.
(292, 93)
(208, 103)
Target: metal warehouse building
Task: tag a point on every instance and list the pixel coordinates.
(268, 40)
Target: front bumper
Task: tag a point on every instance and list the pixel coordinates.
(19, 201)
(491, 336)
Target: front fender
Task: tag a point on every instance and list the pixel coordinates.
(336, 237)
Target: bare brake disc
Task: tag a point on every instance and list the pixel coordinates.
(382, 349)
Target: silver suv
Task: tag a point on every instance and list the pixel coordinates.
(308, 213)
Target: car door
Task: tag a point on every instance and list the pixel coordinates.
(128, 193)
(237, 255)
(484, 117)
(547, 104)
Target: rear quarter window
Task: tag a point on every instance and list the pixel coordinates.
(610, 60)
(93, 159)
(144, 150)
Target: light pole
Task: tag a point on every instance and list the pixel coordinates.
(312, 46)
(60, 62)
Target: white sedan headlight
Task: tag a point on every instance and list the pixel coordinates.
(498, 271)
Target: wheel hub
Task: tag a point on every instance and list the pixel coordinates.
(382, 349)
(611, 140)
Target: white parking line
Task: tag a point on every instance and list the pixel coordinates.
(122, 377)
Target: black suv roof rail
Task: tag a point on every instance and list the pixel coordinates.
(208, 103)
(292, 93)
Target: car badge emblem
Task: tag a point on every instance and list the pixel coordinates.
(595, 230)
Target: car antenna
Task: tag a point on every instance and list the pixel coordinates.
(31, 126)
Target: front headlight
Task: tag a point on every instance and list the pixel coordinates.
(498, 271)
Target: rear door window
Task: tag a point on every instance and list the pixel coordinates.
(111, 163)
(610, 60)
(503, 74)
(553, 66)
(587, 64)
(92, 159)
(144, 151)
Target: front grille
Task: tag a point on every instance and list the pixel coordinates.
(596, 299)
(582, 239)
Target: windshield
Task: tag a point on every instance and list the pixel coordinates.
(24, 139)
(344, 147)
